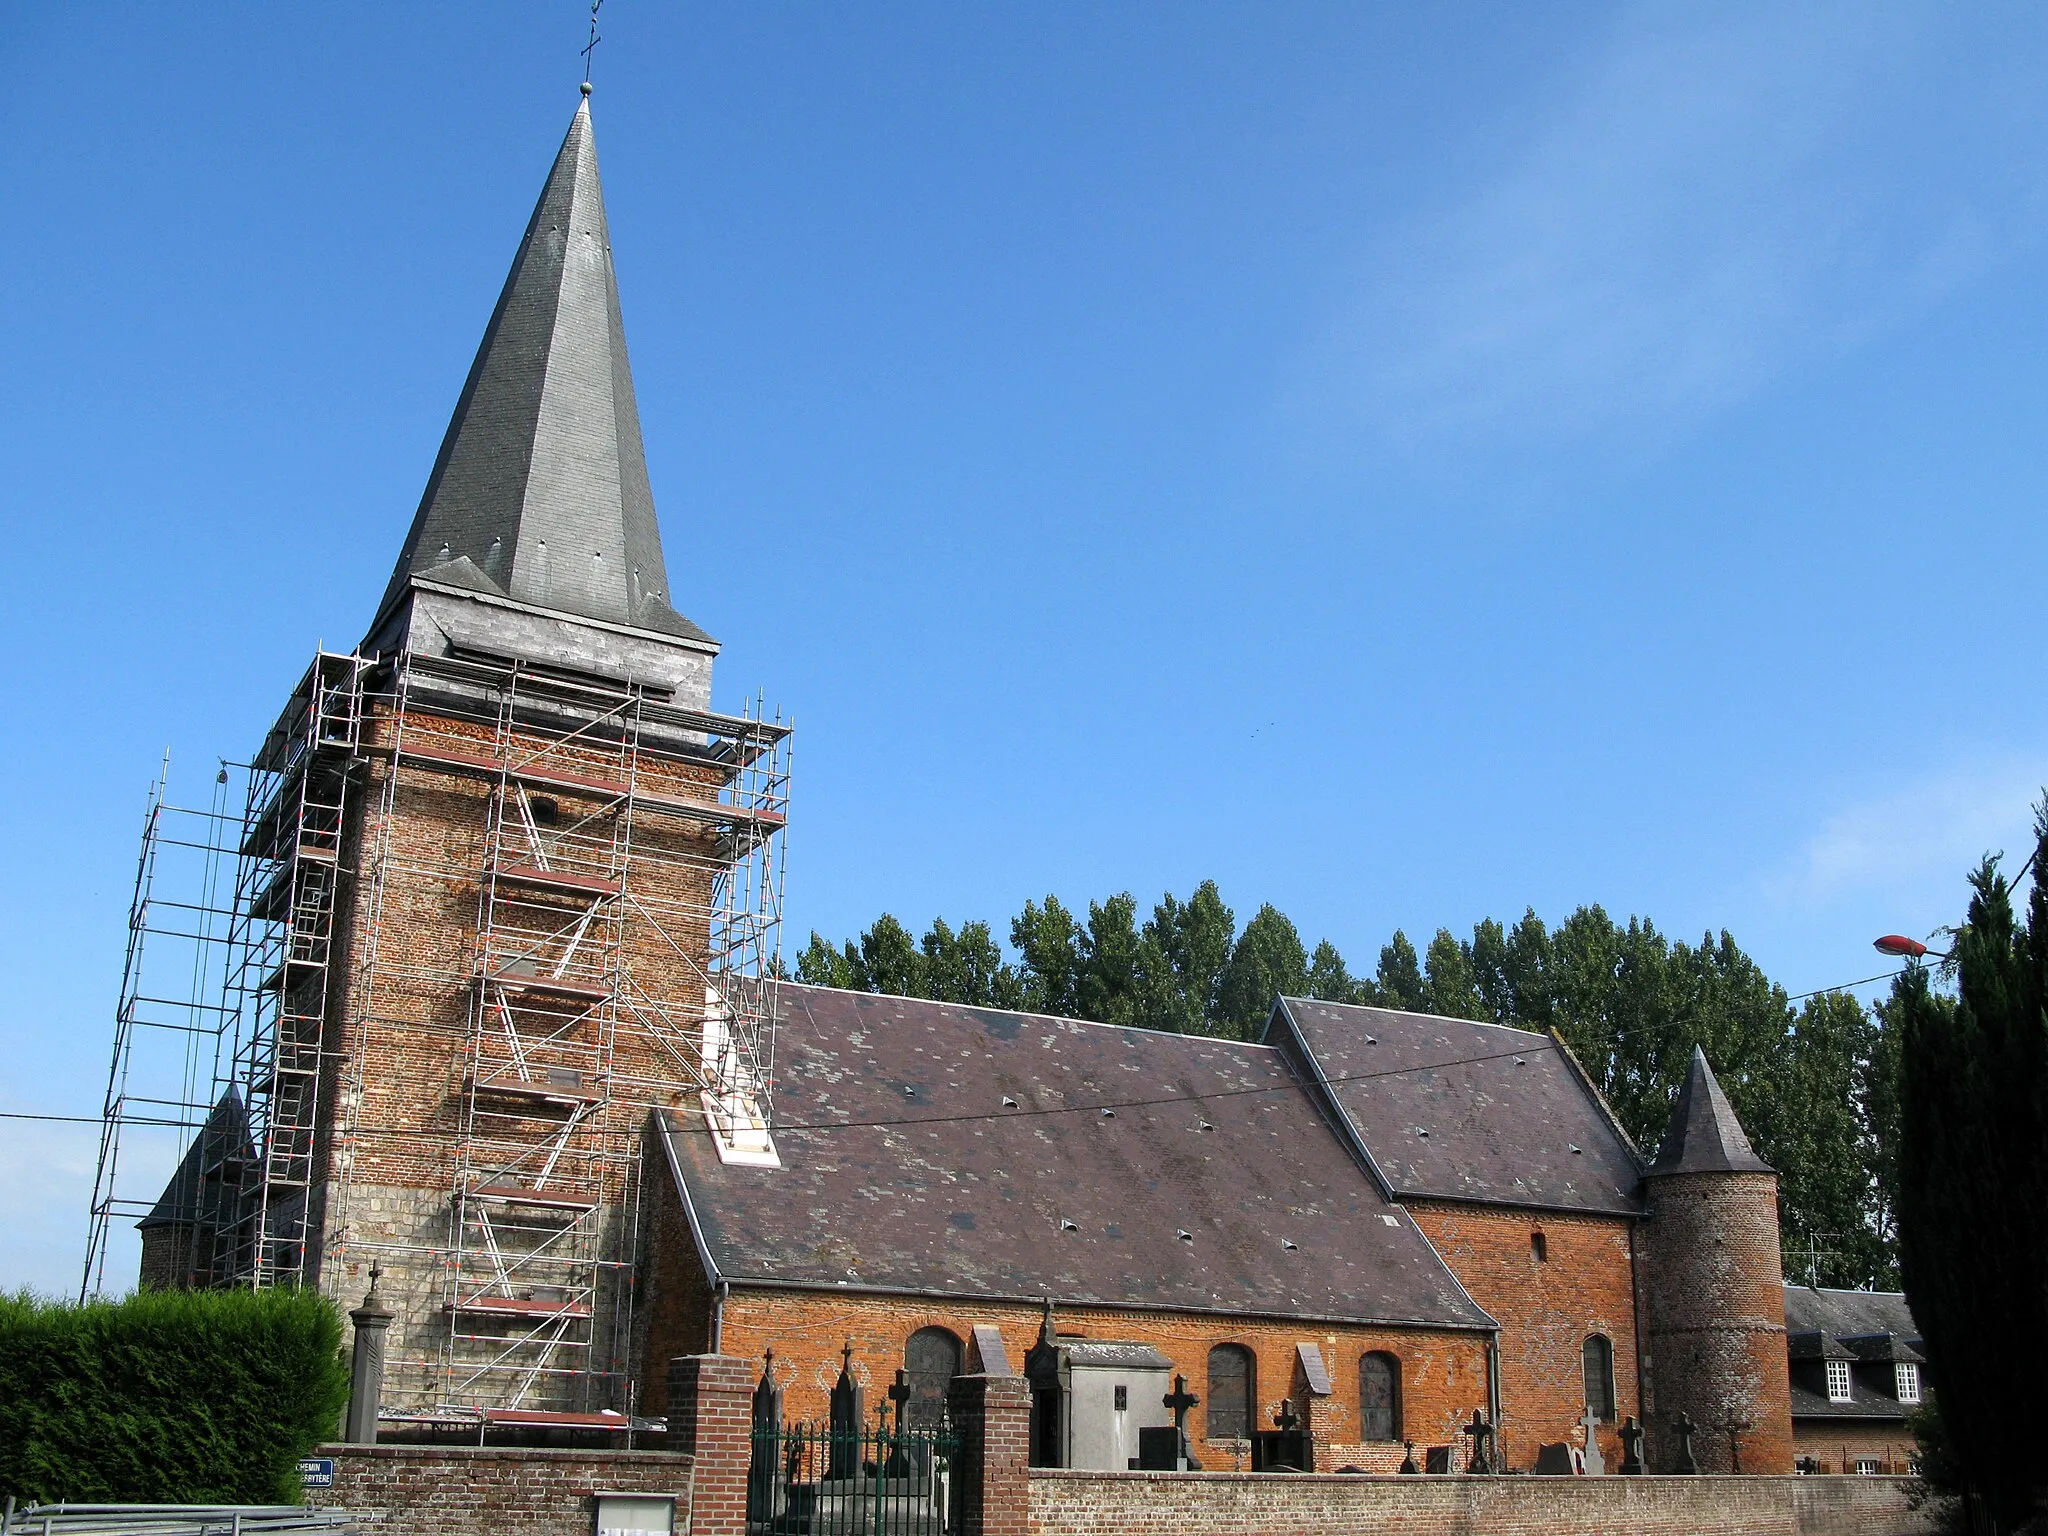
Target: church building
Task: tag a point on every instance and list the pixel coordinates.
(516, 1037)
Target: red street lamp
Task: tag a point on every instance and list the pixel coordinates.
(1899, 947)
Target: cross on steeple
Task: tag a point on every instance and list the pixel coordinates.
(591, 47)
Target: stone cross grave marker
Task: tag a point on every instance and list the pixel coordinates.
(1596, 1465)
(1686, 1467)
(1631, 1447)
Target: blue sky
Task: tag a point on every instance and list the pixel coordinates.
(1407, 463)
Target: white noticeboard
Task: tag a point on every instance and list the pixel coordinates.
(636, 1514)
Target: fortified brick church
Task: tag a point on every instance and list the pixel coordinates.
(517, 1050)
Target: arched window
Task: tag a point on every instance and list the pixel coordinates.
(1379, 1397)
(1233, 1389)
(1598, 1359)
(931, 1360)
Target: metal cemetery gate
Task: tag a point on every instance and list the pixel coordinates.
(836, 1480)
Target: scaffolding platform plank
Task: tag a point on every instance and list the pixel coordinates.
(559, 880)
(513, 1306)
(519, 1194)
(710, 812)
(549, 1093)
(521, 976)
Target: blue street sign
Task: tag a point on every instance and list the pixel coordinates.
(316, 1471)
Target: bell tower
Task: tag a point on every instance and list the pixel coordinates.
(506, 884)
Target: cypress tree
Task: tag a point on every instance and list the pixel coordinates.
(1973, 1185)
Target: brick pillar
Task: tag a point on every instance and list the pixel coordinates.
(992, 1465)
(710, 1417)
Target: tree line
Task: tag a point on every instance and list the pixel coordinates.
(1814, 1079)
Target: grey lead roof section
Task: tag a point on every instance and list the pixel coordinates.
(540, 490)
(930, 1147)
(1705, 1136)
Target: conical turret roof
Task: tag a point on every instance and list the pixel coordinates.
(540, 491)
(1705, 1136)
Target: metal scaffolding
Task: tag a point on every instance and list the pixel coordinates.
(624, 857)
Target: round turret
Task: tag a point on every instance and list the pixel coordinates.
(1713, 1302)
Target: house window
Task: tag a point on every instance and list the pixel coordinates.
(930, 1360)
(1379, 1397)
(1232, 1392)
(1908, 1382)
(1539, 1247)
(1597, 1359)
(1867, 1466)
(1838, 1381)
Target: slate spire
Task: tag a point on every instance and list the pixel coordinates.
(1705, 1136)
(540, 490)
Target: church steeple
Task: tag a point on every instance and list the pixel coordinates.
(540, 491)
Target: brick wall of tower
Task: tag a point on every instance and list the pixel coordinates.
(1443, 1373)
(1583, 1284)
(1713, 1299)
(400, 1020)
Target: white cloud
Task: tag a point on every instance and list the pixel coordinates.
(1926, 835)
(1716, 194)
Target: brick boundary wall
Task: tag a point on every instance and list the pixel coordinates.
(440, 1490)
(711, 1418)
(1242, 1504)
(991, 1465)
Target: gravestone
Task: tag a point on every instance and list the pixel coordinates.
(848, 1421)
(1631, 1447)
(1408, 1460)
(1286, 1447)
(1554, 1460)
(1686, 1466)
(763, 1468)
(1481, 1433)
(1589, 1454)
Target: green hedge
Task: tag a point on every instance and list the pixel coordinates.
(169, 1397)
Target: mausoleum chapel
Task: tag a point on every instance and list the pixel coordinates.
(516, 1040)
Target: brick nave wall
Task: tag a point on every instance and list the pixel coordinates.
(1546, 1307)
(1443, 1372)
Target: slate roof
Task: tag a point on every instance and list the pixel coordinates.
(540, 490)
(1704, 1135)
(190, 1196)
(1866, 1327)
(1848, 1314)
(1051, 1197)
(1509, 1119)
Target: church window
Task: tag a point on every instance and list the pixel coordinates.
(1908, 1382)
(1597, 1359)
(1232, 1391)
(1379, 1397)
(1539, 1246)
(1838, 1381)
(931, 1360)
